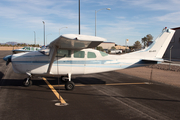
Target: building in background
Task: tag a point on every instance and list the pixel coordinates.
(107, 45)
(121, 47)
(175, 42)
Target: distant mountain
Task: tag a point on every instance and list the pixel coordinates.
(18, 44)
(11, 43)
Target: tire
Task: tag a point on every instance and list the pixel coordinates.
(27, 83)
(69, 85)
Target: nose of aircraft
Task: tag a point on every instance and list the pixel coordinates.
(7, 59)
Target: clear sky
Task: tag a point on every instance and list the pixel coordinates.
(127, 19)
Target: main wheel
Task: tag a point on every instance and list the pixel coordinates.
(69, 85)
(27, 82)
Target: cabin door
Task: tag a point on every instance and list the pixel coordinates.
(63, 61)
(78, 62)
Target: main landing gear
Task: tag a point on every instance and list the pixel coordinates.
(69, 85)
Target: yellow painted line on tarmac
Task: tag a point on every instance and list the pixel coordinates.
(54, 91)
(110, 84)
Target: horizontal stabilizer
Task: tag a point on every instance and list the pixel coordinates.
(154, 59)
(167, 61)
(74, 41)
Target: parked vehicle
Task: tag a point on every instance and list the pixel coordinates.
(116, 51)
(26, 49)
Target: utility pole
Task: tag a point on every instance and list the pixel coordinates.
(44, 32)
(79, 18)
(34, 38)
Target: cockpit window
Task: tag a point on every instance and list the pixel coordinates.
(63, 53)
(79, 54)
(103, 53)
(91, 55)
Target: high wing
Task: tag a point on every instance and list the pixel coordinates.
(74, 41)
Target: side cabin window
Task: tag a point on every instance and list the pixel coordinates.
(63, 53)
(32, 48)
(91, 55)
(79, 54)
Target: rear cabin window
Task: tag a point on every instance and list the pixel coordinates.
(103, 53)
(63, 53)
(79, 54)
(91, 55)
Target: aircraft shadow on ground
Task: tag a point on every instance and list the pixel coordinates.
(52, 81)
(77, 80)
(1, 75)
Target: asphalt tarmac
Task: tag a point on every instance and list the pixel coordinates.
(103, 96)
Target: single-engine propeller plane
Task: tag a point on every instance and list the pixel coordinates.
(71, 54)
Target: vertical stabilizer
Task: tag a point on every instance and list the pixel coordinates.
(159, 46)
(165, 44)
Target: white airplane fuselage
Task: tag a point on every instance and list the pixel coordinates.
(38, 63)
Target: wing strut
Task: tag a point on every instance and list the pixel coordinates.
(52, 59)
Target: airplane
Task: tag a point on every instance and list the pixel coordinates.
(72, 54)
(26, 49)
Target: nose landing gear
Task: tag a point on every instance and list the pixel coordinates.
(27, 82)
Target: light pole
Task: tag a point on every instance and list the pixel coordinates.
(95, 16)
(46, 37)
(44, 32)
(60, 29)
(34, 38)
(79, 19)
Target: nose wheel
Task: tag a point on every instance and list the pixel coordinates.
(27, 82)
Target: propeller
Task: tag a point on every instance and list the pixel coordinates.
(7, 59)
